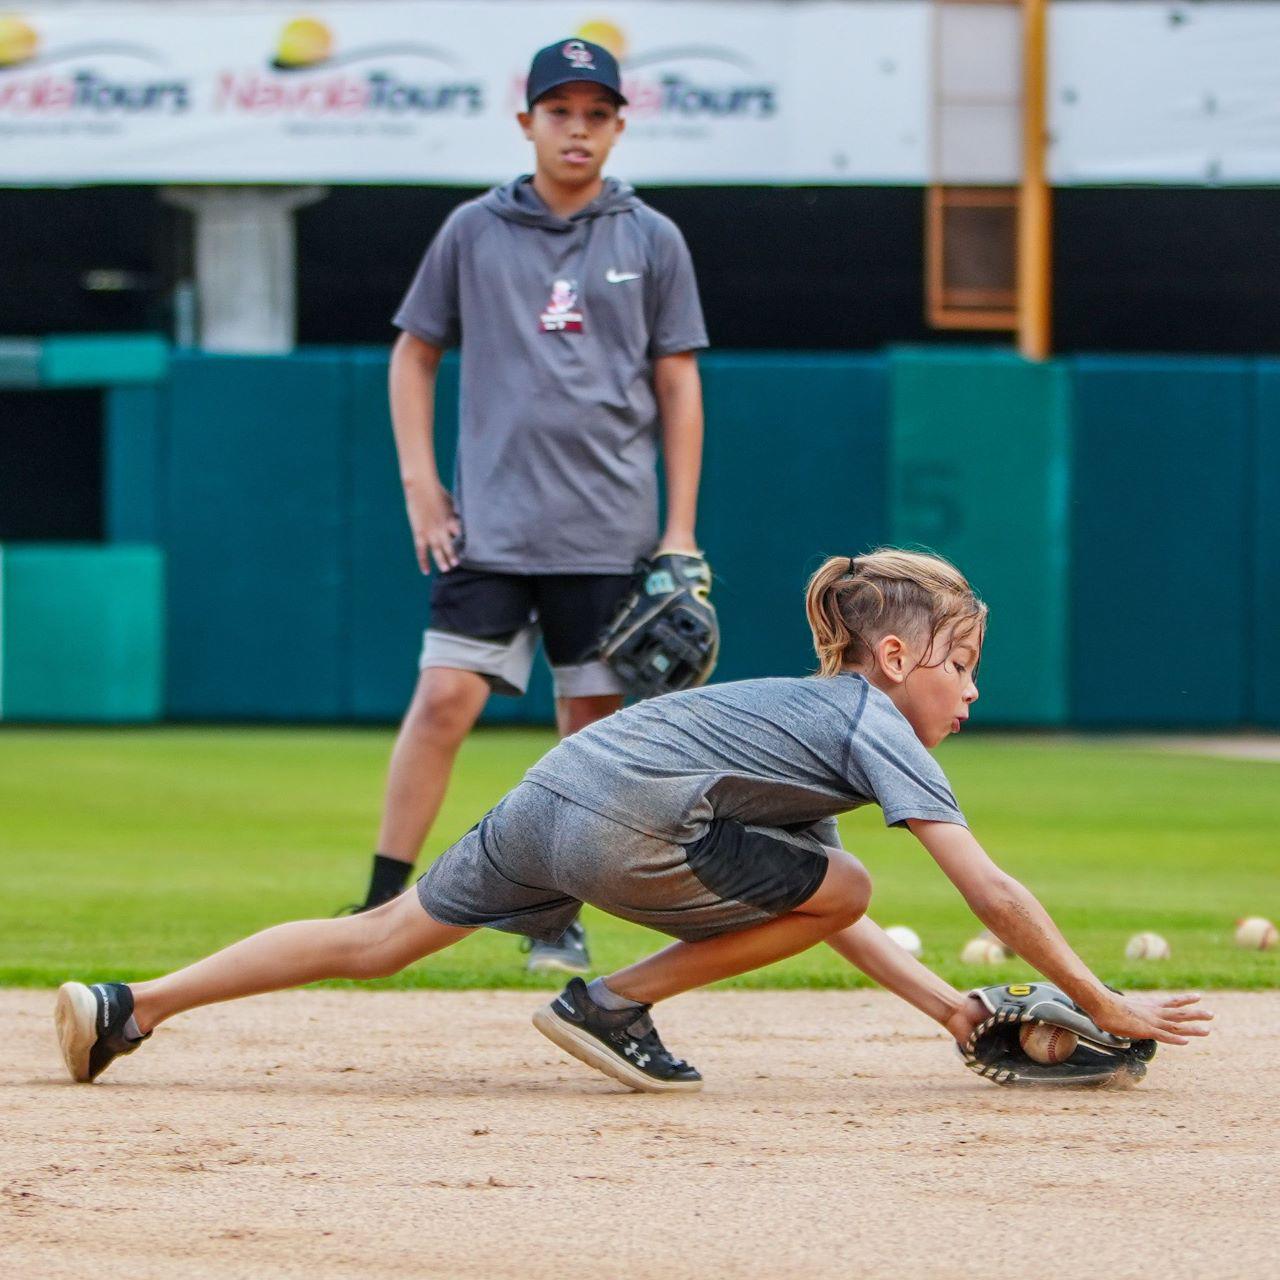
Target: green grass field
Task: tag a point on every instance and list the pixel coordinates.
(128, 852)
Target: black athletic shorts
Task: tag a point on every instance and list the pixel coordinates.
(490, 623)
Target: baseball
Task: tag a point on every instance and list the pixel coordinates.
(1255, 933)
(907, 939)
(983, 951)
(1147, 946)
(1045, 1043)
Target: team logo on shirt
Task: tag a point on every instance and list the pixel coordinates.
(562, 313)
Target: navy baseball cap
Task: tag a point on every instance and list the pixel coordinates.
(570, 60)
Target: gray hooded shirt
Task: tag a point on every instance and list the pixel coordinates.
(559, 321)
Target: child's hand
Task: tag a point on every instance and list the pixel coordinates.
(1154, 1016)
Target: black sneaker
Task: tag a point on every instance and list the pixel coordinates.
(623, 1043)
(90, 1022)
(568, 954)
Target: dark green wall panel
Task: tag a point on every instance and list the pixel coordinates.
(272, 484)
(794, 471)
(256, 497)
(1264, 628)
(386, 599)
(135, 439)
(1161, 549)
(980, 449)
(81, 633)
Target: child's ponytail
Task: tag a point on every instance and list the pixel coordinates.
(853, 602)
(831, 636)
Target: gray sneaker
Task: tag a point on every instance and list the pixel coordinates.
(566, 955)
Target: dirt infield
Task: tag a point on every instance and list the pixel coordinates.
(1231, 746)
(336, 1134)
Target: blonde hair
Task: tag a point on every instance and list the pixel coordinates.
(853, 603)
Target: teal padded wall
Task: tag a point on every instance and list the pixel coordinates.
(1264, 629)
(83, 360)
(81, 633)
(979, 464)
(1162, 542)
(256, 496)
(293, 589)
(20, 362)
(272, 484)
(386, 600)
(102, 359)
(135, 434)
(794, 471)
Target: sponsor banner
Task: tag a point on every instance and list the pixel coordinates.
(394, 91)
(1171, 93)
(425, 91)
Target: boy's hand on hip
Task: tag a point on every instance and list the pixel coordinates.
(435, 526)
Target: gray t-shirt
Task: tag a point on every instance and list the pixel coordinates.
(559, 320)
(786, 753)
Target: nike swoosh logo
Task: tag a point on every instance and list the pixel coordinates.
(614, 276)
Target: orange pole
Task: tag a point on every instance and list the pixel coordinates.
(1035, 228)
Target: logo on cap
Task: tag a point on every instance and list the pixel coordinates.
(578, 53)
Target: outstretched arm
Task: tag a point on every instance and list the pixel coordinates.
(867, 947)
(1014, 915)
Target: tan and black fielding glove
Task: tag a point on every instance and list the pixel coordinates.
(994, 1049)
(665, 635)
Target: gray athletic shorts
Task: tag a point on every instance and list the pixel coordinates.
(536, 857)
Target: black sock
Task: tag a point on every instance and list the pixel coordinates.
(387, 879)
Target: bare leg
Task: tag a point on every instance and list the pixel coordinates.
(445, 707)
(573, 714)
(374, 944)
(839, 901)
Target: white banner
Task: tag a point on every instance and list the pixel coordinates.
(426, 91)
(1174, 93)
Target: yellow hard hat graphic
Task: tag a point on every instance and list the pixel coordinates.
(606, 34)
(17, 40)
(303, 43)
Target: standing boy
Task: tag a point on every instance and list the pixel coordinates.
(577, 314)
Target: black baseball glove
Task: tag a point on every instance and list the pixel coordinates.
(664, 635)
(994, 1049)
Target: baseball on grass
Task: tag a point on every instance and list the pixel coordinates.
(1147, 946)
(907, 939)
(983, 951)
(1045, 1043)
(1255, 933)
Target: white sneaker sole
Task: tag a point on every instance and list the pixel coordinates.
(76, 1017)
(586, 1048)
